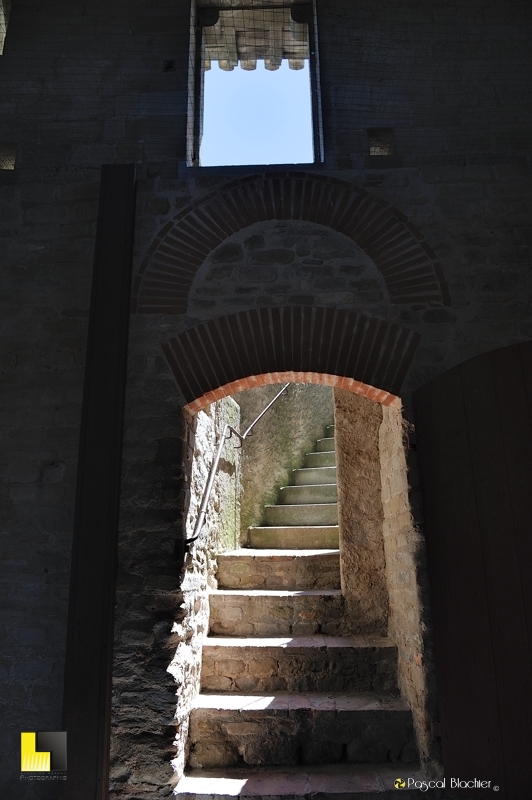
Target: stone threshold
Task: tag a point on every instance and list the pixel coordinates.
(292, 701)
(276, 592)
(277, 553)
(337, 782)
(316, 641)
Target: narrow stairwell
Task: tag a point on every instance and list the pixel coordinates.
(289, 707)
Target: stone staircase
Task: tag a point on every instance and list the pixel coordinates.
(289, 708)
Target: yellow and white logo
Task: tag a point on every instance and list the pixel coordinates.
(399, 783)
(43, 752)
(30, 759)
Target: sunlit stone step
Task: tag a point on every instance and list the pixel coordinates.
(275, 612)
(323, 782)
(302, 514)
(294, 536)
(299, 664)
(299, 495)
(326, 459)
(290, 728)
(313, 476)
(248, 568)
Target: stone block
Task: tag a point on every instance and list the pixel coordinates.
(292, 728)
(314, 475)
(304, 537)
(313, 494)
(272, 256)
(323, 459)
(312, 663)
(275, 613)
(303, 514)
(47, 213)
(255, 569)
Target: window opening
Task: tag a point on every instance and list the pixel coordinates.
(256, 92)
(8, 154)
(381, 141)
(5, 7)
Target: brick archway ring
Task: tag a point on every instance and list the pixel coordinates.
(292, 343)
(411, 271)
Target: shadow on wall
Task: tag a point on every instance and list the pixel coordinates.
(219, 533)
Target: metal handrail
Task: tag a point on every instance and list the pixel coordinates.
(228, 431)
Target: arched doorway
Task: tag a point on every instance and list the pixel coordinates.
(377, 600)
(365, 357)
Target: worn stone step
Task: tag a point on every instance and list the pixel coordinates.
(313, 475)
(322, 782)
(302, 514)
(296, 728)
(325, 445)
(299, 664)
(330, 430)
(304, 495)
(275, 612)
(279, 569)
(295, 537)
(326, 459)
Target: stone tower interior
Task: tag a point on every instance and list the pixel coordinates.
(148, 300)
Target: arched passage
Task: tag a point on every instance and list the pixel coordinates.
(410, 269)
(294, 343)
(377, 539)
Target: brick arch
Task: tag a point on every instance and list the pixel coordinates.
(292, 343)
(412, 274)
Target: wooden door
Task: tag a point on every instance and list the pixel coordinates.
(474, 435)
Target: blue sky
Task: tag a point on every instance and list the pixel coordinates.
(257, 117)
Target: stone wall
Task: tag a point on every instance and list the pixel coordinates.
(432, 74)
(83, 85)
(407, 581)
(279, 441)
(162, 614)
(360, 513)
(220, 533)
(72, 99)
(286, 262)
(382, 555)
(475, 217)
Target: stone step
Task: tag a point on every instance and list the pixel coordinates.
(302, 514)
(313, 475)
(294, 537)
(295, 728)
(330, 430)
(299, 664)
(279, 569)
(308, 495)
(327, 459)
(322, 782)
(275, 612)
(325, 445)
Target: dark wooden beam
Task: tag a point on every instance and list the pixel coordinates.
(88, 667)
